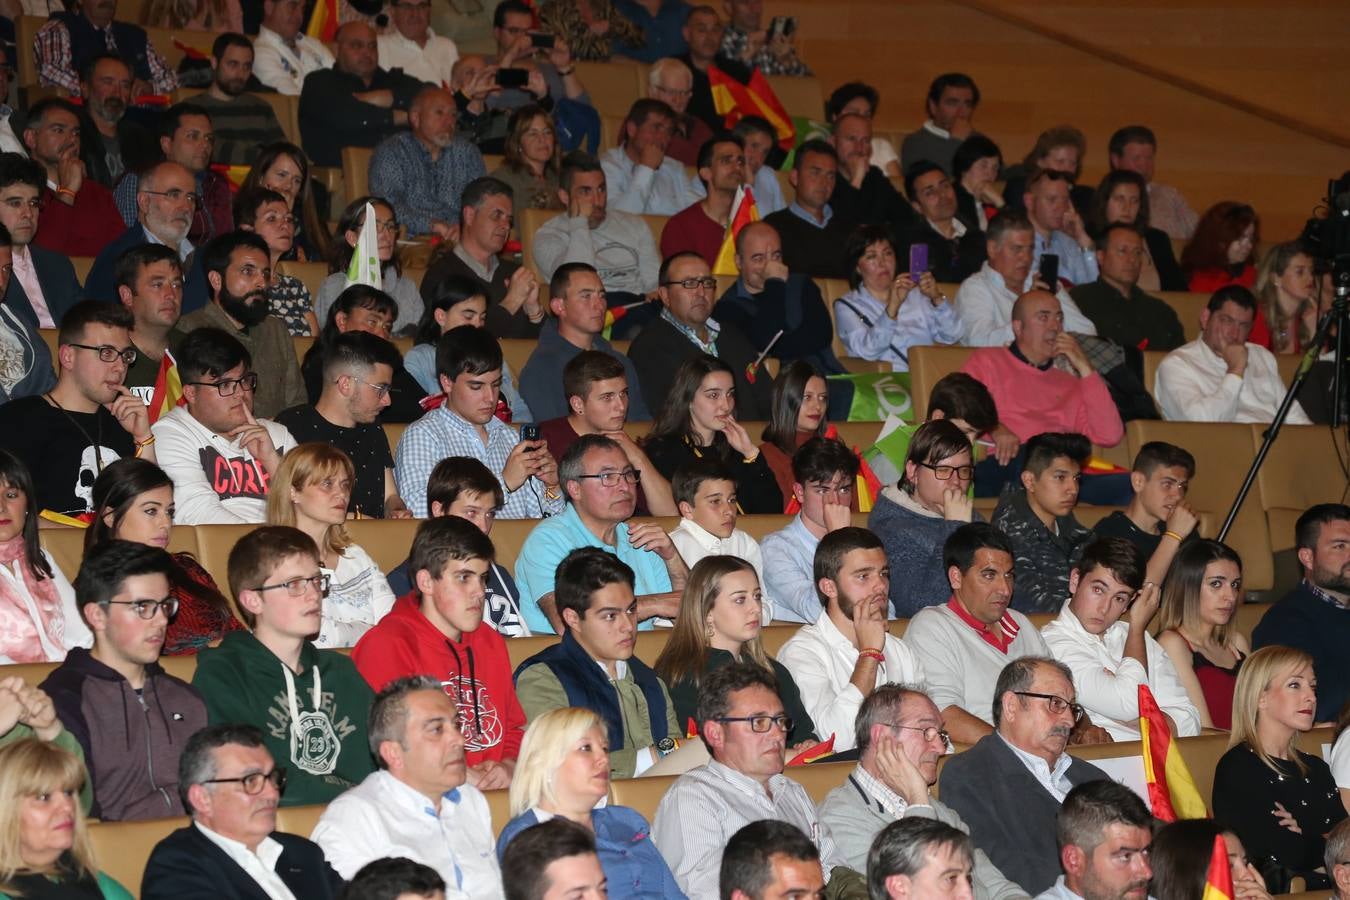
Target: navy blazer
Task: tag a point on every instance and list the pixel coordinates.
(187, 865)
(102, 286)
(60, 287)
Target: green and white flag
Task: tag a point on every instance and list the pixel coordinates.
(365, 264)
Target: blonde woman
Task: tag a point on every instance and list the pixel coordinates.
(310, 492)
(45, 851)
(1286, 294)
(1279, 800)
(718, 624)
(563, 770)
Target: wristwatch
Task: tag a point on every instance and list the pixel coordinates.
(667, 746)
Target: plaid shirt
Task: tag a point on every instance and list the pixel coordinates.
(735, 43)
(51, 48)
(441, 433)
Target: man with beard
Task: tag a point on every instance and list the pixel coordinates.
(702, 226)
(123, 593)
(68, 435)
(1009, 786)
(423, 172)
(1104, 833)
(43, 286)
(238, 270)
(847, 653)
(1313, 617)
(79, 217)
(900, 737)
(165, 204)
(67, 41)
(355, 103)
(110, 141)
(187, 138)
(242, 121)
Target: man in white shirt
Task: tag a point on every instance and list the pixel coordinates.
(641, 177)
(1059, 228)
(847, 653)
(966, 642)
(232, 849)
(985, 300)
(1105, 832)
(1102, 636)
(410, 44)
(418, 803)
(221, 458)
(1221, 376)
(741, 721)
(282, 54)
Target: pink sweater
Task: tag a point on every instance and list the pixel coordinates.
(1030, 401)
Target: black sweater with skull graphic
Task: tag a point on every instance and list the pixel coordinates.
(58, 448)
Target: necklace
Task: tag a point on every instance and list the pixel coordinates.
(96, 441)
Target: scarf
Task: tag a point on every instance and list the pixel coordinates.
(32, 622)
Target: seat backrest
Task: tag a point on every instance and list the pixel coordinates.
(122, 848)
(311, 274)
(613, 85)
(531, 220)
(214, 543)
(820, 778)
(82, 265)
(1305, 466)
(356, 171)
(801, 97)
(1187, 306)
(657, 224)
(927, 366)
(386, 540)
(66, 545)
(516, 352)
(642, 794)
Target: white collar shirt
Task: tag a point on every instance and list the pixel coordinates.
(1193, 385)
(282, 68)
(984, 305)
(430, 62)
(260, 864)
(694, 542)
(1055, 780)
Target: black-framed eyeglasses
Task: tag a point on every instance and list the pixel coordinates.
(226, 387)
(761, 724)
(174, 195)
(146, 609)
(108, 353)
(296, 587)
(252, 783)
(928, 733)
(945, 473)
(611, 479)
(1056, 703)
(693, 284)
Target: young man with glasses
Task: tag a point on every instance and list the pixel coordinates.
(232, 850)
(900, 739)
(741, 721)
(220, 457)
(594, 665)
(238, 267)
(1101, 634)
(601, 485)
(67, 435)
(310, 704)
(129, 715)
(847, 652)
(1009, 786)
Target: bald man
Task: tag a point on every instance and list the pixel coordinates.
(355, 103)
(423, 171)
(1044, 381)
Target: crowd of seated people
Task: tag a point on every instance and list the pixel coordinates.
(390, 696)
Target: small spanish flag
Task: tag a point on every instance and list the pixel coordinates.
(733, 100)
(1219, 881)
(743, 212)
(168, 391)
(235, 175)
(1171, 789)
(814, 752)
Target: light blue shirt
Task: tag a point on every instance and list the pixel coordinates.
(1076, 264)
(554, 538)
(801, 213)
(637, 189)
(420, 362)
(441, 433)
(768, 192)
(875, 335)
(789, 560)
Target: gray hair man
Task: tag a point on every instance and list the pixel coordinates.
(1338, 859)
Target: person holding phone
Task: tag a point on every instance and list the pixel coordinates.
(549, 71)
(1059, 228)
(954, 251)
(770, 49)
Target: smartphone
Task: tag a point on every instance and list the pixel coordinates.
(512, 78)
(529, 432)
(782, 25)
(918, 259)
(1050, 270)
(541, 40)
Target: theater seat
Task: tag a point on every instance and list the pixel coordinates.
(613, 85)
(356, 171)
(927, 366)
(1187, 307)
(214, 543)
(121, 849)
(66, 545)
(1306, 466)
(299, 820)
(641, 794)
(386, 540)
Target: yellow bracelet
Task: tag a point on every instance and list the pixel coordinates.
(1173, 535)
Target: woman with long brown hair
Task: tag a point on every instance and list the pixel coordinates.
(1221, 250)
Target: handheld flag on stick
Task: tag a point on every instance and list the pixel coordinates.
(365, 265)
(323, 22)
(168, 390)
(743, 212)
(1219, 880)
(1171, 789)
(752, 369)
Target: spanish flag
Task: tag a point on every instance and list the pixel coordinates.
(1171, 790)
(168, 391)
(1219, 881)
(323, 22)
(734, 99)
(235, 175)
(743, 212)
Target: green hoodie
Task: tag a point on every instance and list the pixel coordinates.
(242, 681)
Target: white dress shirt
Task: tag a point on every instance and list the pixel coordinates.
(382, 817)
(1108, 681)
(635, 188)
(821, 661)
(260, 865)
(431, 62)
(1055, 780)
(9, 141)
(984, 304)
(1193, 385)
(283, 69)
(695, 542)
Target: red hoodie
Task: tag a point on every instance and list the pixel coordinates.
(475, 670)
